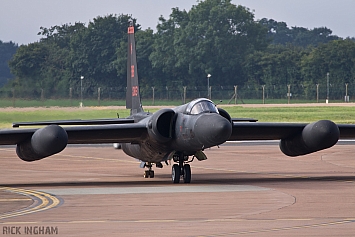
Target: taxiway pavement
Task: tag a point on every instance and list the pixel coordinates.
(241, 190)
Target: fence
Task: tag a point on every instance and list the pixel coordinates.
(228, 94)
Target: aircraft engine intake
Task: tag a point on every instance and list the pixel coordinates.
(314, 137)
(44, 142)
(161, 125)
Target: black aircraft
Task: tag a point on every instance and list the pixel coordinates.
(179, 134)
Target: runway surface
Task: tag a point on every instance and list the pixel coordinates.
(243, 189)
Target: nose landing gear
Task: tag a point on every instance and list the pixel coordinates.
(149, 173)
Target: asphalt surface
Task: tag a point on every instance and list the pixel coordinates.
(243, 189)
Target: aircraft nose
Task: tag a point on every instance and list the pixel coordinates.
(212, 129)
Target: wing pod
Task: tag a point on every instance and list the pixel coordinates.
(161, 125)
(314, 137)
(44, 142)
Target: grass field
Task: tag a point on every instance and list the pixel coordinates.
(263, 114)
(296, 114)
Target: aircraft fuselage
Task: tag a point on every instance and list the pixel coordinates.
(187, 133)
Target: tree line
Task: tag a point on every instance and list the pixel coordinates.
(7, 50)
(214, 37)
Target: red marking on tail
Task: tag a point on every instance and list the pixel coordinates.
(131, 30)
(135, 91)
(132, 71)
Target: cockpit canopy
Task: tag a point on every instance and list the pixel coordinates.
(201, 106)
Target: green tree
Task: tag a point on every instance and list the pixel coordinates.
(57, 71)
(276, 68)
(7, 50)
(61, 35)
(304, 37)
(164, 56)
(28, 63)
(280, 33)
(39, 66)
(336, 57)
(67, 52)
(148, 75)
(93, 52)
(214, 37)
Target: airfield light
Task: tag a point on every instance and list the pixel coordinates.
(327, 100)
(208, 86)
(346, 92)
(81, 91)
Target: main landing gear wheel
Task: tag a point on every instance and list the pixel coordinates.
(187, 173)
(181, 169)
(175, 173)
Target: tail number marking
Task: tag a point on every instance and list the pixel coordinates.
(134, 90)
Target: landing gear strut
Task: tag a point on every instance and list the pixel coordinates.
(181, 169)
(149, 173)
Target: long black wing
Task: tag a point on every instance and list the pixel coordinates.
(264, 131)
(134, 132)
(120, 133)
(75, 122)
(276, 131)
(347, 131)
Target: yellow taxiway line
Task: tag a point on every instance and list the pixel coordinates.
(42, 201)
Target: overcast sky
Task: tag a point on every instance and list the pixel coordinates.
(20, 20)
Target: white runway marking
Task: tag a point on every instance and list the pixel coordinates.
(165, 189)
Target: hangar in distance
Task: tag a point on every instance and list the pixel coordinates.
(178, 134)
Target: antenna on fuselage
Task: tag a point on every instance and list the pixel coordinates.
(220, 101)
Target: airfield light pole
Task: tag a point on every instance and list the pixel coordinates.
(235, 94)
(153, 88)
(346, 92)
(81, 91)
(263, 86)
(208, 86)
(184, 94)
(327, 100)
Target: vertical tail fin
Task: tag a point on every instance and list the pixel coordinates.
(133, 99)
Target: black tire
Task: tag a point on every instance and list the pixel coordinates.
(175, 173)
(146, 174)
(187, 173)
(151, 174)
